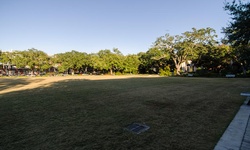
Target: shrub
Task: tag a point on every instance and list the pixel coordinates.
(248, 73)
(165, 71)
(200, 72)
(118, 73)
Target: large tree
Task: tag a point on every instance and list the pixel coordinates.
(71, 61)
(94, 62)
(111, 61)
(152, 60)
(6, 60)
(35, 59)
(19, 59)
(131, 63)
(32, 58)
(238, 31)
(189, 45)
(6, 57)
(217, 58)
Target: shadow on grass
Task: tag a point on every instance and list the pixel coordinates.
(92, 114)
(9, 83)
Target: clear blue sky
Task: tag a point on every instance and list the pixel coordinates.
(56, 26)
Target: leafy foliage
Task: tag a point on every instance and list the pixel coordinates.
(168, 54)
(112, 61)
(165, 71)
(153, 60)
(189, 45)
(131, 64)
(238, 31)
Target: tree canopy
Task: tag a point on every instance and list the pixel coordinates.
(191, 45)
(238, 31)
(192, 49)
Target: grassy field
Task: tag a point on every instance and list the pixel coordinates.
(183, 113)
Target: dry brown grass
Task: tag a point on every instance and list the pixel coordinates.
(183, 113)
(23, 83)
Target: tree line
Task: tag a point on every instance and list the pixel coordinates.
(105, 61)
(198, 49)
(167, 54)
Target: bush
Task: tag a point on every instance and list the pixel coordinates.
(165, 71)
(132, 71)
(200, 72)
(247, 73)
(118, 73)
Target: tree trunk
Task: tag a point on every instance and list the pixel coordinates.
(177, 66)
(111, 71)
(178, 69)
(86, 70)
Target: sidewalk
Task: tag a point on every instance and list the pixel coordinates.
(246, 140)
(237, 135)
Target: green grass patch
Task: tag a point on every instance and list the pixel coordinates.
(183, 113)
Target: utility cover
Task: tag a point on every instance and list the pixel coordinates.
(137, 128)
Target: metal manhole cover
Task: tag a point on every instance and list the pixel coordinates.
(137, 128)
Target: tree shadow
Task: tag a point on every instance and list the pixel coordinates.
(11, 83)
(91, 114)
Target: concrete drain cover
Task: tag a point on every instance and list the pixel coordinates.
(137, 128)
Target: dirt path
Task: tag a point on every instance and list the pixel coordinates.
(18, 84)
